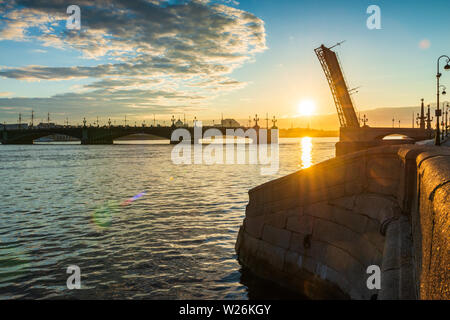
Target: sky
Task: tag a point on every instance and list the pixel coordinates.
(153, 58)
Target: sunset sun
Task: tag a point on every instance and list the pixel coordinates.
(306, 107)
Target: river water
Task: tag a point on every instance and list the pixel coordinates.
(137, 225)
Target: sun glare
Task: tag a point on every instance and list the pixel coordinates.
(306, 108)
(306, 149)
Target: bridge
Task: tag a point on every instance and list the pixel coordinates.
(354, 137)
(357, 139)
(378, 133)
(106, 135)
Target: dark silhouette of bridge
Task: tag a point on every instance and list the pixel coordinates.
(89, 135)
(367, 133)
(356, 139)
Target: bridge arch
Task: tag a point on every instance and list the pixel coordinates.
(56, 137)
(119, 133)
(28, 136)
(379, 133)
(140, 138)
(395, 136)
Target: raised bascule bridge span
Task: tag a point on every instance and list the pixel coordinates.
(323, 231)
(354, 137)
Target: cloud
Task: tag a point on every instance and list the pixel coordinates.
(104, 102)
(187, 49)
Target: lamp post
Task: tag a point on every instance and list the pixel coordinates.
(446, 119)
(438, 111)
(443, 128)
(439, 114)
(365, 120)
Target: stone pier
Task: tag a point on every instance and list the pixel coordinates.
(319, 229)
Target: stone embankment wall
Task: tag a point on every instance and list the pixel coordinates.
(317, 230)
(431, 225)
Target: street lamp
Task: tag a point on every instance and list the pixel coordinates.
(443, 128)
(443, 92)
(438, 111)
(446, 116)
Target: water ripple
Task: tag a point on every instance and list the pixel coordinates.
(61, 205)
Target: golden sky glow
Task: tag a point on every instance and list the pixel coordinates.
(259, 58)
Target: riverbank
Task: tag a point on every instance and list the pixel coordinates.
(318, 230)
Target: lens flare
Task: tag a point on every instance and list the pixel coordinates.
(102, 217)
(127, 202)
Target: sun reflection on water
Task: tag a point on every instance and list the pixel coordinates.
(306, 146)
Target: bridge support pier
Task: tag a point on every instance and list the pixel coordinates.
(268, 139)
(96, 136)
(4, 137)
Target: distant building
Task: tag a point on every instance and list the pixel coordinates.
(15, 126)
(179, 124)
(46, 125)
(230, 123)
